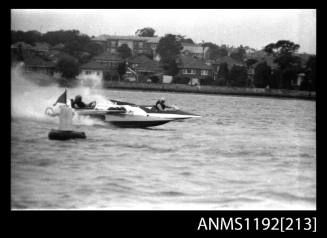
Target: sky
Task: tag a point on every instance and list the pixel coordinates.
(254, 28)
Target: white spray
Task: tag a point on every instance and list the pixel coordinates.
(29, 100)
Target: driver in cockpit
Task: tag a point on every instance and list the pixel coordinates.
(160, 104)
(78, 103)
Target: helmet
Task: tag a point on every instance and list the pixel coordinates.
(162, 99)
(78, 98)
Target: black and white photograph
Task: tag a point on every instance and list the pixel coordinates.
(163, 109)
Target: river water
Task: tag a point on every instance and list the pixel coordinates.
(243, 153)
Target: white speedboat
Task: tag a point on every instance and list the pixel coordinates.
(126, 114)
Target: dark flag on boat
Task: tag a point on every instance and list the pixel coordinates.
(62, 98)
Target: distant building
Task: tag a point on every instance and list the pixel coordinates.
(225, 59)
(137, 44)
(34, 63)
(193, 68)
(299, 80)
(41, 47)
(143, 66)
(137, 66)
(196, 50)
(92, 70)
(22, 45)
(96, 68)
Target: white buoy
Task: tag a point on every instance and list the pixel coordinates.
(65, 130)
(65, 118)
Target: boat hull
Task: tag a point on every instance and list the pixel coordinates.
(124, 114)
(124, 120)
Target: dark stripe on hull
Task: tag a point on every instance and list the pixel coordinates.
(138, 124)
(167, 111)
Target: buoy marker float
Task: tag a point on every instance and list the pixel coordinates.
(65, 130)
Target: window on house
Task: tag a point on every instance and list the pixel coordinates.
(204, 72)
(113, 44)
(189, 71)
(140, 44)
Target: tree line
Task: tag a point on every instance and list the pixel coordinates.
(284, 53)
(80, 49)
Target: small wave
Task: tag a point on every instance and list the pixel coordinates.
(84, 190)
(234, 181)
(147, 147)
(171, 193)
(41, 162)
(287, 196)
(186, 173)
(115, 187)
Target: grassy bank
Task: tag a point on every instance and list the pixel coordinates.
(280, 93)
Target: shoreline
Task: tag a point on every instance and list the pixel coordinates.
(212, 90)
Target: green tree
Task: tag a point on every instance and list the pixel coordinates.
(289, 75)
(250, 62)
(29, 37)
(94, 48)
(121, 69)
(61, 36)
(124, 51)
(283, 53)
(237, 76)
(310, 70)
(213, 50)
(170, 66)
(68, 66)
(262, 75)
(281, 47)
(183, 39)
(288, 63)
(223, 71)
(239, 54)
(169, 48)
(222, 51)
(145, 32)
(77, 46)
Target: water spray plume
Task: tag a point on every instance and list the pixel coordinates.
(29, 99)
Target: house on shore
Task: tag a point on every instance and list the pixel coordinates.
(35, 63)
(137, 44)
(137, 67)
(99, 65)
(143, 67)
(225, 59)
(193, 68)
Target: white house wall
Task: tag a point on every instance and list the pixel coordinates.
(93, 75)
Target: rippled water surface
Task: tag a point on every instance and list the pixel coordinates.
(244, 153)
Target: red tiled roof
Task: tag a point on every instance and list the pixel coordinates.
(55, 55)
(144, 64)
(94, 65)
(189, 62)
(22, 44)
(41, 46)
(37, 61)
